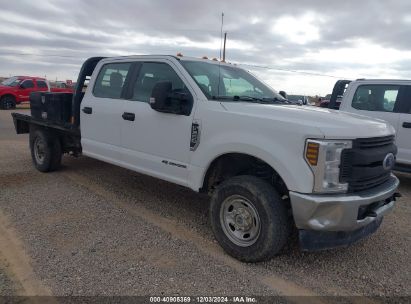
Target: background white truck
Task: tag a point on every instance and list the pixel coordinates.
(386, 99)
(269, 166)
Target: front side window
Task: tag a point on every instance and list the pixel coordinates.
(382, 98)
(27, 84)
(41, 84)
(110, 80)
(152, 73)
(218, 81)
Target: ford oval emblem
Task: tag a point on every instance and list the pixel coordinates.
(388, 162)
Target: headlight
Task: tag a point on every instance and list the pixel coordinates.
(324, 159)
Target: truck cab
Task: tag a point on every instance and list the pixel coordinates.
(386, 99)
(268, 166)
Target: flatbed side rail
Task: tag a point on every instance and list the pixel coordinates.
(22, 124)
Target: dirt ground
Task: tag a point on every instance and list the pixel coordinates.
(96, 229)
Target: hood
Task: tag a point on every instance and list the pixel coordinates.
(333, 124)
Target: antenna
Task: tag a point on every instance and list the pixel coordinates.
(221, 33)
(221, 46)
(225, 40)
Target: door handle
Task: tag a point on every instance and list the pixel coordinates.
(87, 110)
(128, 116)
(406, 125)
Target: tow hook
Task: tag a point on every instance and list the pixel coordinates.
(396, 195)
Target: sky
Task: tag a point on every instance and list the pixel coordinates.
(301, 47)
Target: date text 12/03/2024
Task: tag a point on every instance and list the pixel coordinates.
(205, 299)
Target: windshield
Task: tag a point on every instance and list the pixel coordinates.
(228, 83)
(11, 82)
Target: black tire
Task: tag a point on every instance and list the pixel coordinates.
(45, 150)
(7, 102)
(274, 228)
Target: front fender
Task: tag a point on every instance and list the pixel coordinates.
(11, 93)
(286, 158)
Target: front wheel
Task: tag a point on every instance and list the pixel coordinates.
(7, 103)
(45, 150)
(249, 219)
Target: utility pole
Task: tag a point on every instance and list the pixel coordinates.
(225, 40)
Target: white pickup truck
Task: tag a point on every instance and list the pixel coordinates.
(269, 166)
(386, 99)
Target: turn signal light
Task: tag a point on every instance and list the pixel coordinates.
(312, 153)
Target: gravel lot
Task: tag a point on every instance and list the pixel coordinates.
(7, 286)
(96, 229)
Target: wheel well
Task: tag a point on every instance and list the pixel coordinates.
(69, 143)
(234, 164)
(10, 95)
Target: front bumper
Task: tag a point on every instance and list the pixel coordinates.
(329, 221)
(343, 212)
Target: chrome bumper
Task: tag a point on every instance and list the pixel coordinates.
(341, 212)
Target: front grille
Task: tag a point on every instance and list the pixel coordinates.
(362, 166)
(369, 143)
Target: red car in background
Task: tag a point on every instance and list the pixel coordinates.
(17, 89)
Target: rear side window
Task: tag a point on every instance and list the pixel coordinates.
(41, 84)
(150, 74)
(381, 98)
(110, 80)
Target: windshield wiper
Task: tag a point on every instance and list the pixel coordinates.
(268, 100)
(276, 100)
(247, 98)
(250, 99)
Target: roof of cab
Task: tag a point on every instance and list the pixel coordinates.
(158, 56)
(29, 77)
(382, 80)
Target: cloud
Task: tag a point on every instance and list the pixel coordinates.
(341, 38)
(299, 29)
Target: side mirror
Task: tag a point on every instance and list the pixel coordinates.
(283, 93)
(159, 95)
(163, 99)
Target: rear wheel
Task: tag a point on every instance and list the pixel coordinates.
(7, 102)
(45, 150)
(249, 219)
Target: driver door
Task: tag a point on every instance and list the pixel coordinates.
(153, 142)
(25, 88)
